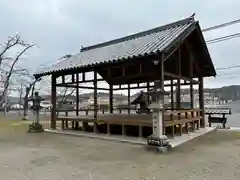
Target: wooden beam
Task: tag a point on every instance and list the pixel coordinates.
(53, 99)
(134, 76)
(121, 78)
(175, 76)
(126, 88)
(85, 81)
(81, 87)
(146, 86)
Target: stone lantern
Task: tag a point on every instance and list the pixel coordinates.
(157, 140)
(36, 126)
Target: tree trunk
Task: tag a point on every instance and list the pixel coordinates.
(25, 104)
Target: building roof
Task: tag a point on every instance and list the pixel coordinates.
(139, 44)
(137, 98)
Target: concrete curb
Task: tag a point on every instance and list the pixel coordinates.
(173, 142)
(103, 137)
(192, 137)
(233, 129)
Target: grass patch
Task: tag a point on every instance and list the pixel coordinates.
(12, 126)
(17, 126)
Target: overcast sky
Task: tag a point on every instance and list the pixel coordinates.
(61, 27)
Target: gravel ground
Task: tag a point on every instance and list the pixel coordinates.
(57, 157)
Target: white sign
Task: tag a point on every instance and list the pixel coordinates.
(157, 123)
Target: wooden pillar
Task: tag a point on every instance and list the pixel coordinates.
(140, 133)
(172, 99)
(77, 99)
(53, 99)
(162, 87)
(110, 98)
(95, 99)
(148, 88)
(191, 95)
(129, 99)
(95, 95)
(191, 83)
(191, 61)
(201, 101)
(178, 89)
(162, 72)
(77, 95)
(123, 130)
(108, 129)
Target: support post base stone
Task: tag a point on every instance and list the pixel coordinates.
(160, 144)
(35, 128)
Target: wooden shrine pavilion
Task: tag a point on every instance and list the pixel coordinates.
(176, 54)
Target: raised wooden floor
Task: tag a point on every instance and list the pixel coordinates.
(134, 124)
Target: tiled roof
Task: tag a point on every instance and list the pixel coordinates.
(136, 98)
(143, 43)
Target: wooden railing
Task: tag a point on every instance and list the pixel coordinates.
(183, 117)
(99, 110)
(172, 119)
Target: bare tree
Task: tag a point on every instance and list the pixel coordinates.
(28, 83)
(20, 91)
(63, 96)
(8, 63)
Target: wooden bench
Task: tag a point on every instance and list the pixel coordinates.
(217, 115)
(221, 120)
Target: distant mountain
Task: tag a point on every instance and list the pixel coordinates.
(226, 92)
(223, 93)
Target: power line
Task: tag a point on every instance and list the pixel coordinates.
(223, 38)
(227, 74)
(221, 25)
(230, 67)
